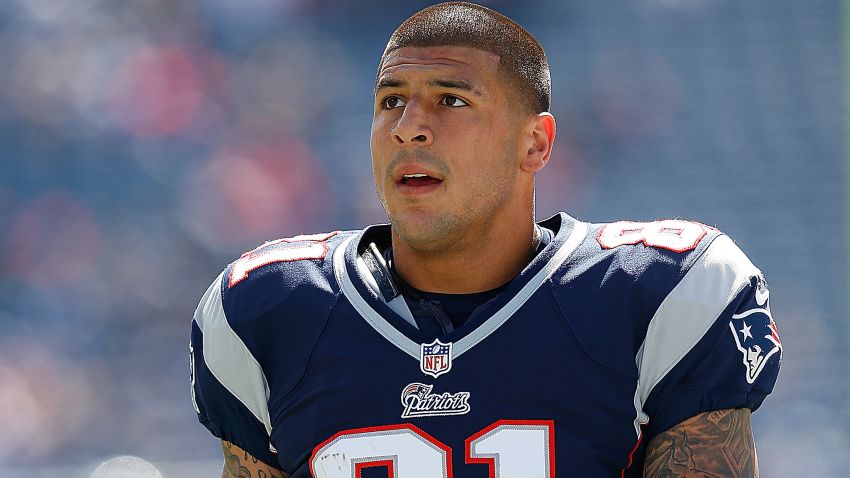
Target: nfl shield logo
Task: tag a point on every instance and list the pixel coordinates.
(435, 358)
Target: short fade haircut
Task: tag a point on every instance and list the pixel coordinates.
(521, 57)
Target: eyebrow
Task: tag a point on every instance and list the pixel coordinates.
(452, 83)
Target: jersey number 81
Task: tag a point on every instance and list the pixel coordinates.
(511, 448)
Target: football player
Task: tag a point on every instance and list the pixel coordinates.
(464, 339)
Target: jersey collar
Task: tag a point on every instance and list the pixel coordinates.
(354, 283)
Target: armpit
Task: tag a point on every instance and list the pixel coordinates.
(712, 444)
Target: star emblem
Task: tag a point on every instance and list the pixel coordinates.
(746, 331)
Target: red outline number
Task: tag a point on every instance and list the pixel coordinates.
(400, 448)
(388, 464)
(506, 446)
(292, 249)
(672, 234)
(496, 451)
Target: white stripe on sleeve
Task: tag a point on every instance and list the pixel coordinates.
(228, 359)
(690, 309)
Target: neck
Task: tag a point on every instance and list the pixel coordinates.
(485, 258)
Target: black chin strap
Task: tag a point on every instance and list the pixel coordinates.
(428, 314)
(377, 266)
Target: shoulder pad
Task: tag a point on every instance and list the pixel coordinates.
(649, 251)
(263, 278)
(652, 255)
(279, 293)
(624, 271)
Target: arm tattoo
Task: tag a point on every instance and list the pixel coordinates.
(239, 464)
(715, 444)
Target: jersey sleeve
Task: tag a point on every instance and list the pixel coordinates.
(713, 343)
(229, 389)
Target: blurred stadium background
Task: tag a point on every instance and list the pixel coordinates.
(144, 144)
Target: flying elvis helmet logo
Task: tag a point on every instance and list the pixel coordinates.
(756, 335)
(435, 358)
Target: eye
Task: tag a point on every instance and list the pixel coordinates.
(453, 101)
(391, 102)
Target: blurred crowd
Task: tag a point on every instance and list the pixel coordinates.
(144, 144)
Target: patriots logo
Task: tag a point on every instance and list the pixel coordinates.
(418, 401)
(756, 335)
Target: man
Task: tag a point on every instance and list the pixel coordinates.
(464, 339)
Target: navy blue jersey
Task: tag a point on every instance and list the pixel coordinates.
(612, 334)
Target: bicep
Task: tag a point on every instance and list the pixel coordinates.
(711, 444)
(238, 463)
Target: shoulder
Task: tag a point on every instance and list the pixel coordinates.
(286, 259)
(647, 280)
(288, 270)
(657, 257)
(281, 292)
(275, 286)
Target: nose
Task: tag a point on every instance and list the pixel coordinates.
(413, 126)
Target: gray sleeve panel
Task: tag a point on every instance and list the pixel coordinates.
(228, 359)
(690, 309)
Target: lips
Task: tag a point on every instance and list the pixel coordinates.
(413, 179)
(418, 180)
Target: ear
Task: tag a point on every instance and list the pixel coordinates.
(541, 138)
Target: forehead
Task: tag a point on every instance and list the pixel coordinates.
(457, 60)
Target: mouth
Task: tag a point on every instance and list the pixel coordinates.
(417, 182)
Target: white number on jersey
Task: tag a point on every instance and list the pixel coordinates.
(515, 449)
(298, 248)
(671, 234)
(511, 448)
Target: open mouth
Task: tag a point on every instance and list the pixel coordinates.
(418, 180)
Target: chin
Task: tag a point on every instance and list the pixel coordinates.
(426, 232)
